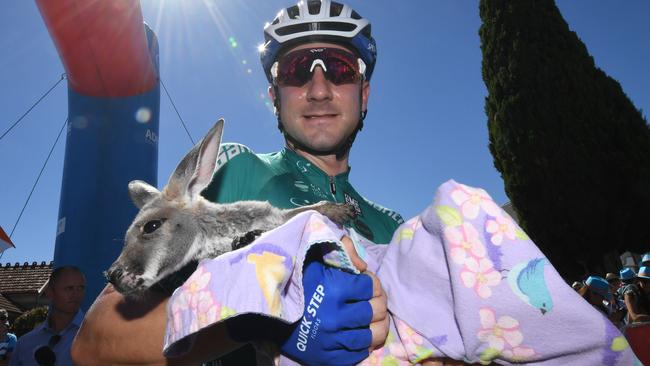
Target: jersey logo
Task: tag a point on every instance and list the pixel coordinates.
(302, 186)
(229, 151)
(302, 166)
(390, 213)
(299, 202)
(354, 203)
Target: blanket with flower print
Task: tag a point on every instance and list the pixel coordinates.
(463, 281)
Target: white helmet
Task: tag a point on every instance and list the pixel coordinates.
(318, 20)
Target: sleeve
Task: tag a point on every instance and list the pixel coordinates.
(15, 355)
(630, 289)
(12, 343)
(237, 177)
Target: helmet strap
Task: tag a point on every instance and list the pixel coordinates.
(341, 150)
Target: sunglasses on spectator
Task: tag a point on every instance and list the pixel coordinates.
(296, 68)
(45, 356)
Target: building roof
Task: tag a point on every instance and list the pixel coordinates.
(25, 278)
(8, 305)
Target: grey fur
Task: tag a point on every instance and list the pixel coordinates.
(187, 227)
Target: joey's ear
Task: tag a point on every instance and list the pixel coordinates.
(142, 192)
(195, 171)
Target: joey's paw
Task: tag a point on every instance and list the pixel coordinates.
(337, 212)
(244, 240)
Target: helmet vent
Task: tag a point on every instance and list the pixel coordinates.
(306, 27)
(314, 7)
(335, 9)
(355, 15)
(276, 21)
(366, 31)
(293, 12)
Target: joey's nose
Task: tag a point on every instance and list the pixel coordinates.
(114, 274)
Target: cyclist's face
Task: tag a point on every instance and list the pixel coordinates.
(321, 114)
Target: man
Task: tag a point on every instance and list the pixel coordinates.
(320, 86)
(597, 292)
(49, 343)
(615, 285)
(7, 340)
(614, 281)
(637, 296)
(645, 260)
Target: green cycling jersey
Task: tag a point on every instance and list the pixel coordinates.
(288, 180)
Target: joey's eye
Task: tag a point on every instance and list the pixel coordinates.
(152, 226)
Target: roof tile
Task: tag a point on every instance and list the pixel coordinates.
(8, 305)
(25, 278)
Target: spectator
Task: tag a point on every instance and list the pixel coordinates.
(49, 343)
(645, 261)
(7, 340)
(614, 281)
(634, 296)
(598, 293)
(615, 284)
(577, 285)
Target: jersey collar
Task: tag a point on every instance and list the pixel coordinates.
(308, 168)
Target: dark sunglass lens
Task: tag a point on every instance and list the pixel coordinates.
(294, 70)
(341, 72)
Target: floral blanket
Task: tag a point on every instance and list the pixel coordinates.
(463, 281)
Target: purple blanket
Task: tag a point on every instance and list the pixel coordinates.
(463, 281)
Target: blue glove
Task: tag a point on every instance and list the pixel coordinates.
(334, 329)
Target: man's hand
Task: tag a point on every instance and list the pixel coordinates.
(334, 329)
(118, 332)
(345, 315)
(379, 323)
(379, 302)
(115, 331)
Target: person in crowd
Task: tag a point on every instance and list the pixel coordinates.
(597, 292)
(645, 260)
(49, 343)
(7, 340)
(636, 294)
(577, 285)
(615, 284)
(614, 281)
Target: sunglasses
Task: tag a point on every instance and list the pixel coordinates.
(339, 66)
(45, 356)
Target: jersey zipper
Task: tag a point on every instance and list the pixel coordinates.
(332, 187)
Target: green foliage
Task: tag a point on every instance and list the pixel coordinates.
(30, 319)
(572, 149)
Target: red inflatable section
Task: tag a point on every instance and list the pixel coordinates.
(638, 335)
(102, 44)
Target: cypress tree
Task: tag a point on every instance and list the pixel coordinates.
(573, 151)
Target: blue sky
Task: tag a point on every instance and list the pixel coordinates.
(426, 123)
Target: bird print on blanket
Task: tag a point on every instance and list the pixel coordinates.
(527, 281)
